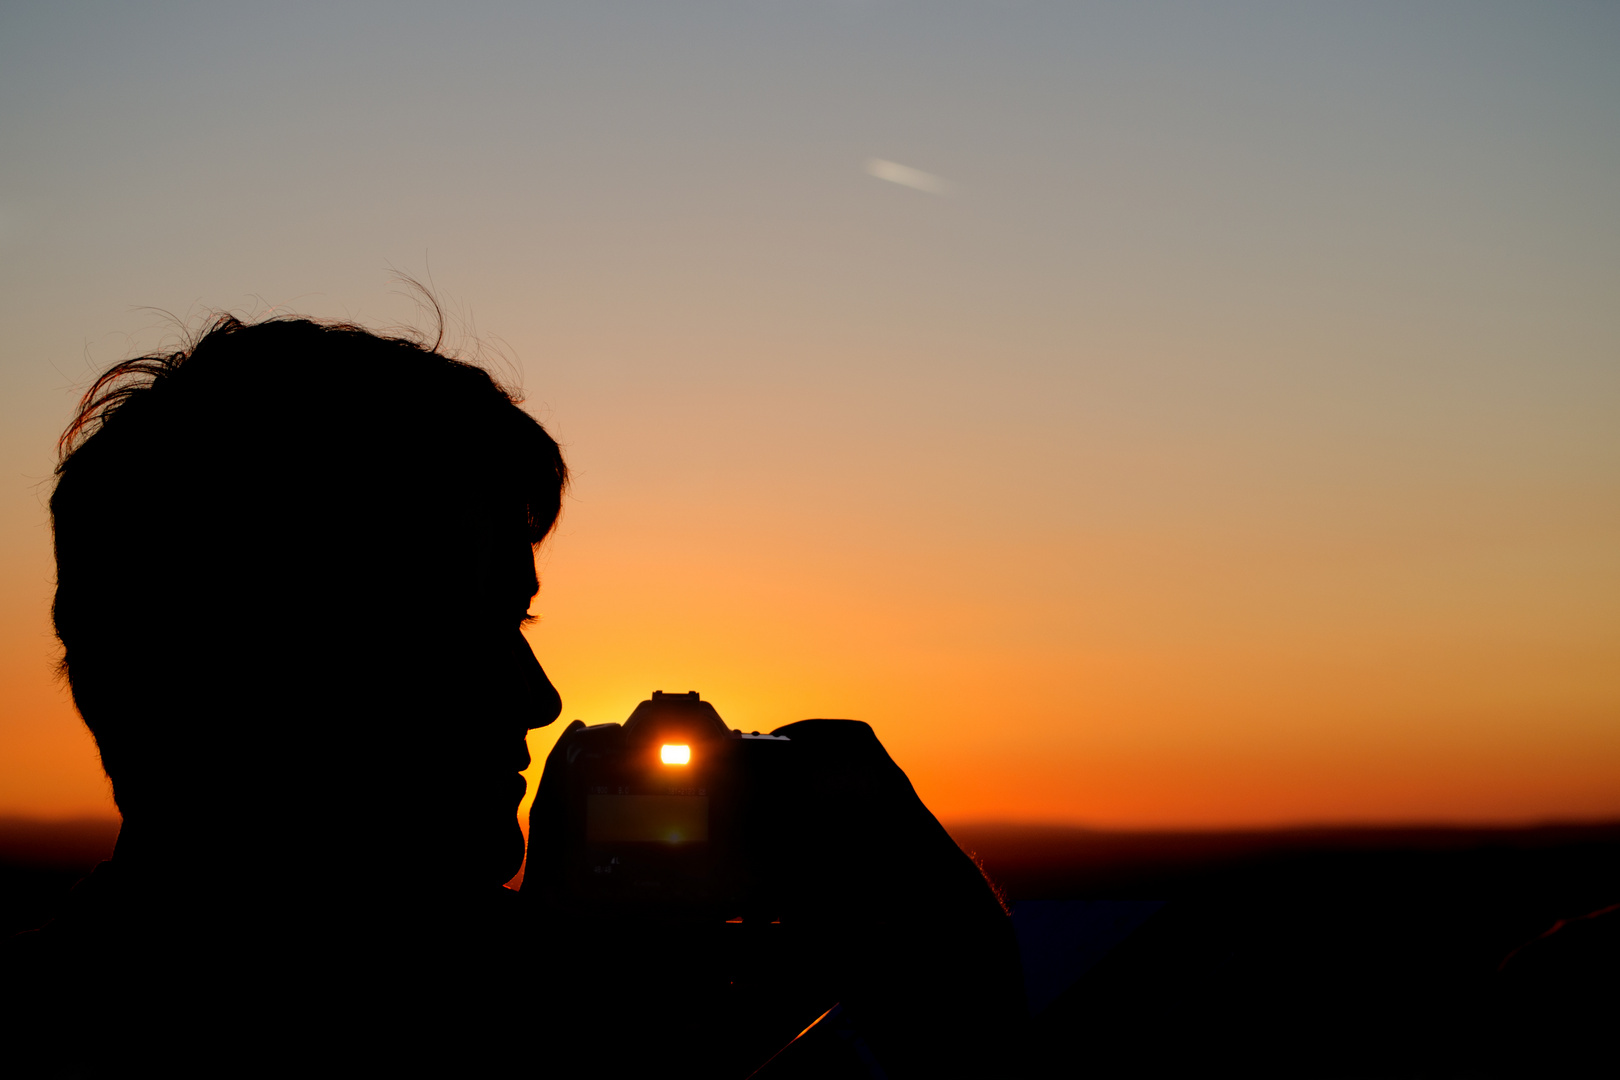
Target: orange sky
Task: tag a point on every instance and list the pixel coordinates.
(1227, 437)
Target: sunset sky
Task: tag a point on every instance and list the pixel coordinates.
(1144, 415)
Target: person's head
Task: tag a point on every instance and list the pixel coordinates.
(292, 565)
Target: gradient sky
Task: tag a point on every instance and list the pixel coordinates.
(1230, 440)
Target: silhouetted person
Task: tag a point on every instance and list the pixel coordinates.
(292, 566)
(293, 561)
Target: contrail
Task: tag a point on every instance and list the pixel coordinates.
(906, 176)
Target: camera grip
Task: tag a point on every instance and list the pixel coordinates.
(903, 922)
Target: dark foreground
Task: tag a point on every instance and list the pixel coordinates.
(1335, 952)
(1338, 952)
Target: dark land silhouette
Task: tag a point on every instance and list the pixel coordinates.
(1315, 952)
(1324, 952)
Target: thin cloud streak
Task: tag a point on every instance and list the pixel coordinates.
(906, 176)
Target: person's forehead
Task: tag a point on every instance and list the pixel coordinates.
(517, 560)
(486, 563)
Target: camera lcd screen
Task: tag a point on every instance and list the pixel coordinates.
(670, 818)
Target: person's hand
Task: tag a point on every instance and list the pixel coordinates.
(902, 922)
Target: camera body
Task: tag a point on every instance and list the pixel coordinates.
(668, 816)
(723, 890)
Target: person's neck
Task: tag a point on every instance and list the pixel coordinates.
(226, 857)
(247, 863)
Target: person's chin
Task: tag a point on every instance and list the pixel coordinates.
(506, 857)
(500, 845)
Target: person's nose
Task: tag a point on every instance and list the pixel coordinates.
(541, 703)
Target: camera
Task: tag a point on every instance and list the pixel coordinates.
(671, 815)
(730, 891)
(661, 846)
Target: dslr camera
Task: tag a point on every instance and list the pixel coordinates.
(671, 815)
(747, 898)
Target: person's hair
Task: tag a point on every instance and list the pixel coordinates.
(249, 493)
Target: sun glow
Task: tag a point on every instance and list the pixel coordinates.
(675, 755)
